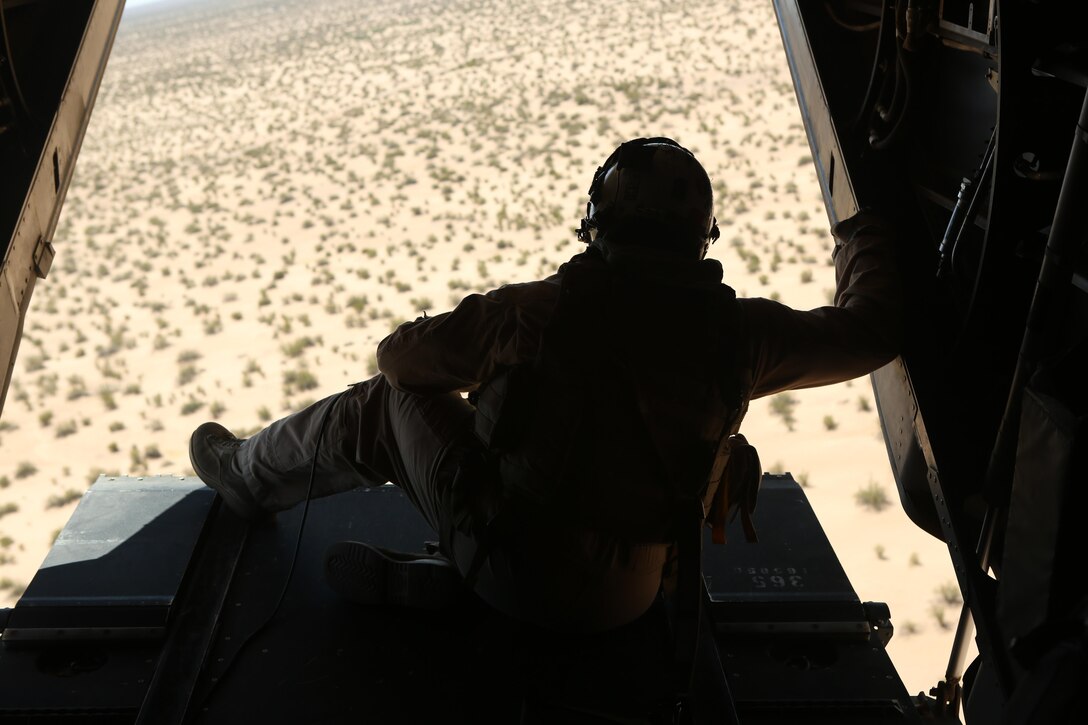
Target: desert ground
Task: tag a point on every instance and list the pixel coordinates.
(268, 188)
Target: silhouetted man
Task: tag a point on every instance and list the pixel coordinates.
(605, 398)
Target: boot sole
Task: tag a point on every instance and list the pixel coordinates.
(364, 574)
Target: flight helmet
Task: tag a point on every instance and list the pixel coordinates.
(651, 192)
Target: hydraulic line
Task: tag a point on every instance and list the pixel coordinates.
(963, 214)
(899, 107)
(852, 27)
(883, 31)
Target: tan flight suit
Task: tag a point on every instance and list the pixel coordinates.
(410, 425)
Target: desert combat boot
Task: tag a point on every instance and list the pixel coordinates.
(212, 452)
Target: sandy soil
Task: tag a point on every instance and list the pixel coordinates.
(268, 188)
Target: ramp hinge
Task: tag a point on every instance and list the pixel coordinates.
(43, 257)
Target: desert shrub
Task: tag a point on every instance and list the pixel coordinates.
(66, 429)
(187, 374)
(301, 379)
(45, 418)
(863, 404)
(191, 406)
(94, 473)
(949, 592)
(77, 389)
(296, 348)
(216, 409)
(783, 405)
(872, 496)
(11, 586)
(830, 423)
(59, 500)
(188, 356)
(8, 508)
(25, 470)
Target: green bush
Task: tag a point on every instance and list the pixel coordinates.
(949, 592)
(66, 429)
(187, 374)
(191, 407)
(872, 496)
(60, 500)
(296, 348)
(298, 380)
(12, 587)
(783, 405)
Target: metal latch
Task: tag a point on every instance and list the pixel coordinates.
(43, 257)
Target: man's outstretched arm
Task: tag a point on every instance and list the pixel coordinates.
(863, 331)
(458, 350)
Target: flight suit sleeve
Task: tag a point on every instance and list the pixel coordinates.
(864, 330)
(458, 350)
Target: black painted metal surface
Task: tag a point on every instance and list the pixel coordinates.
(321, 659)
(116, 567)
(796, 643)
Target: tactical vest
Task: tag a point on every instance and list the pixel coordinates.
(624, 417)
